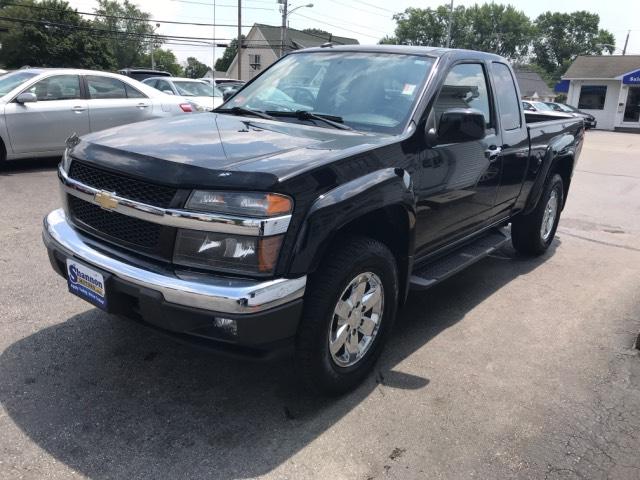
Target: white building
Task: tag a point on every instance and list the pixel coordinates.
(263, 43)
(607, 87)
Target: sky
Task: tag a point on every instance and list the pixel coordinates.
(365, 20)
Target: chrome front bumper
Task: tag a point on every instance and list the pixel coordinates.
(203, 291)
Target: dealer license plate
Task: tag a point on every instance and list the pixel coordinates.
(86, 283)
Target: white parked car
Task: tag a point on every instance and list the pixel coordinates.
(201, 94)
(41, 107)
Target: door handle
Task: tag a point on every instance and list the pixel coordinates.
(143, 105)
(78, 109)
(492, 153)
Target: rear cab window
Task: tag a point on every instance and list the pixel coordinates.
(507, 96)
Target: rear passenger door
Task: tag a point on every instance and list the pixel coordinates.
(113, 102)
(513, 134)
(458, 182)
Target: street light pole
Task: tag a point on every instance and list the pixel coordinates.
(239, 39)
(626, 42)
(449, 25)
(283, 28)
(153, 47)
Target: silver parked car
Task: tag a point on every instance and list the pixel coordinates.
(203, 95)
(41, 108)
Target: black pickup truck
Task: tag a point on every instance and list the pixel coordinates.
(297, 216)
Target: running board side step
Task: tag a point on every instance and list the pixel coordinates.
(428, 275)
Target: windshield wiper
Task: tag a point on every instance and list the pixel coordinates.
(244, 111)
(333, 120)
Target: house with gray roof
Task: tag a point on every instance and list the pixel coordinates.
(532, 86)
(606, 86)
(263, 45)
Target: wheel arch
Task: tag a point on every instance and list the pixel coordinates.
(378, 205)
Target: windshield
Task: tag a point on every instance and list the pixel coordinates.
(196, 89)
(10, 81)
(541, 106)
(368, 91)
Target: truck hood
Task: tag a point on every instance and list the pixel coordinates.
(219, 149)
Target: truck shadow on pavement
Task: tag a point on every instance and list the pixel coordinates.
(112, 399)
(16, 167)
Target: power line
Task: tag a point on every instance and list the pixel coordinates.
(361, 10)
(340, 21)
(120, 17)
(209, 4)
(374, 6)
(336, 26)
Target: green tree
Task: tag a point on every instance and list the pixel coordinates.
(134, 39)
(165, 60)
(52, 36)
(491, 27)
(561, 37)
(195, 68)
(496, 28)
(223, 63)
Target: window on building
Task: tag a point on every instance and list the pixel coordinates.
(592, 97)
(507, 97)
(254, 61)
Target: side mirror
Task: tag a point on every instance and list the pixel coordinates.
(168, 92)
(461, 125)
(228, 94)
(26, 97)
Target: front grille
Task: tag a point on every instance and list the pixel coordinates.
(126, 187)
(132, 231)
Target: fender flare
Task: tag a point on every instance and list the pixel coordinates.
(332, 211)
(557, 151)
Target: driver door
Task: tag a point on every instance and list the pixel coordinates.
(45, 125)
(457, 183)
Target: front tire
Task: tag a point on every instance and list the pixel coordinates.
(350, 307)
(533, 233)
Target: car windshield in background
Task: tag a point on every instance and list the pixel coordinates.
(196, 89)
(9, 81)
(367, 91)
(542, 106)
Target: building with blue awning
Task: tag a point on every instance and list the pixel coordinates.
(606, 86)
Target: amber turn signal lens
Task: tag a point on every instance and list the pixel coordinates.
(268, 250)
(278, 204)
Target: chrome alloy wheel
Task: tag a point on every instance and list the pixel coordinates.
(356, 319)
(549, 215)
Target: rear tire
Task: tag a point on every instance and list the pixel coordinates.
(350, 307)
(532, 234)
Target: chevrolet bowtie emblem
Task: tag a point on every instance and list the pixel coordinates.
(106, 200)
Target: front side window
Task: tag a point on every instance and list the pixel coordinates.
(592, 97)
(507, 97)
(465, 87)
(367, 91)
(105, 87)
(528, 106)
(59, 87)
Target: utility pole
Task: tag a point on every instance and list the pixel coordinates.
(153, 47)
(213, 61)
(626, 42)
(283, 31)
(449, 26)
(239, 39)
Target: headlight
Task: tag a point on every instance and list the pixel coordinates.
(232, 253)
(229, 253)
(248, 204)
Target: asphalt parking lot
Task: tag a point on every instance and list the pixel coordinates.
(515, 368)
